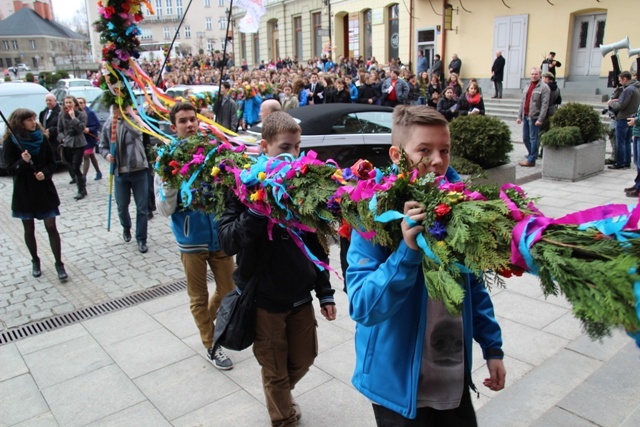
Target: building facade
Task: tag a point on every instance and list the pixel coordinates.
(8, 7)
(203, 29)
(42, 44)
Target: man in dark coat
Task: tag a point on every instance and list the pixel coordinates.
(315, 90)
(226, 110)
(48, 118)
(455, 65)
(497, 74)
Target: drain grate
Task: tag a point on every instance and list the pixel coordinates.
(20, 332)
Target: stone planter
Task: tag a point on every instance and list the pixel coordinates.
(497, 176)
(573, 163)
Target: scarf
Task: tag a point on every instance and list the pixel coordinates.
(33, 144)
(473, 99)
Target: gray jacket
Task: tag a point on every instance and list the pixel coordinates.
(402, 90)
(627, 105)
(129, 150)
(227, 113)
(71, 131)
(539, 104)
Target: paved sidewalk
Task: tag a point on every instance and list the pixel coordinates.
(145, 365)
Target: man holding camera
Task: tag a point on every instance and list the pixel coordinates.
(625, 107)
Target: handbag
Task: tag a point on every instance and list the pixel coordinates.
(236, 319)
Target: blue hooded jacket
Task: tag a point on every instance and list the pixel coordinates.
(388, 300)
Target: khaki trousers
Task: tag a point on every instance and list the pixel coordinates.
(203, 308)
(286, 345)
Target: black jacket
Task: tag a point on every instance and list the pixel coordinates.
(498, 69)
(366, 92)
(29, 194)
(51, 124)
(285, 275)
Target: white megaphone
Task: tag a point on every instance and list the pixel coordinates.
(633, 52)
(613, 47)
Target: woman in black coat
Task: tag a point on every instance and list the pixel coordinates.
(29, 159)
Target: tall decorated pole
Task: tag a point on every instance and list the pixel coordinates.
(119, 32)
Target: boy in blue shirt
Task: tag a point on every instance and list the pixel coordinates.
(197, 237)
(413, 359)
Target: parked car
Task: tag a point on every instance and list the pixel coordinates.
(344, 132)
(23, 67)
(89, 93)
(102, 111)
(179, 90)
(73, 82)
(14, 96)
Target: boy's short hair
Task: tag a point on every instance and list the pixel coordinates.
(180, 106)
(277, 123)
(226, 85)
(406, 117)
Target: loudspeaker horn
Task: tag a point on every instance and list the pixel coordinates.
(633, 52)
(613, 47)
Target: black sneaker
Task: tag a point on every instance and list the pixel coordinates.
(219, 359)
(126, 235)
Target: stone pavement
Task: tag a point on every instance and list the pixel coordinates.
(145, 365)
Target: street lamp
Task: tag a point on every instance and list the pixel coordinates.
(200, 35)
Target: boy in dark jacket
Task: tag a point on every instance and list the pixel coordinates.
(197, 236)
(413, 358)
(286, 340)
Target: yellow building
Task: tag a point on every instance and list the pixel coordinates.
(524, 30)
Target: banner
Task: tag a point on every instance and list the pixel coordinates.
(251, 21)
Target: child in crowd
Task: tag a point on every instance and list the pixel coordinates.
(286, 339)
(413, 358)
(197, 237)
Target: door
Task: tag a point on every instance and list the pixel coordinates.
(510, 36)
(588, 34)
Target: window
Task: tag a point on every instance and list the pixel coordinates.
(221, 3)
(1, 63)
(223, 23)
(187, 31)
(354, 36)
(375, 121)
(211, 44)
(32, 44)
(158, 8)
(346, 124)
(243, 45)
(165, 31)
(176, 30)
(394, 31)
(52, 45)
(256, 48)
(297, 38)
(366, 37)
(207, 24)
(9, 63)
(179, 7)
(316, 19)
(169, 7)
(207, 3)
(146, 34)
(5, 45)
(14, 44)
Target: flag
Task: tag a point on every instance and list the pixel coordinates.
(251, 21)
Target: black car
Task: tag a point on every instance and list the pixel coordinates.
(344, 132)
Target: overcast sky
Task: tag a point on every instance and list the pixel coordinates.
(65, 9)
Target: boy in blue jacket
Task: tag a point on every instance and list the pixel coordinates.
(197, 236)
(413, 359)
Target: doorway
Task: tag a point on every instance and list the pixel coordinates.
(510, 36)
(588, 35)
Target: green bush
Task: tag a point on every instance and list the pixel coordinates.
(28, 77)
(7, 79)
(50, 79)
(562, 137)
(483, 140)
(465, 167)
(582, 116)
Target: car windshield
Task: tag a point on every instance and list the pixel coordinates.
(34, 102)
(74, 83)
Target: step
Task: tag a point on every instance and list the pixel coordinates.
(537, 394)
(508, 109)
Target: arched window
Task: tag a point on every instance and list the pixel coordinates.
(366, 39)
(394, 31)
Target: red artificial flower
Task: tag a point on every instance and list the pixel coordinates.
(442, 210)
(304, 169)
(513, 270)
(176, 167)
(362, 168)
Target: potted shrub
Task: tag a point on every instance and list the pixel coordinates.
(574, 148)
(482, 143)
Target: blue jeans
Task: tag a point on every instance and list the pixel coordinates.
(530, 134)
(624, 132)
(136, 183)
